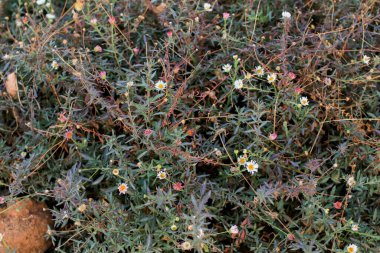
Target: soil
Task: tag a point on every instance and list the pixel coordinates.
(24, 225)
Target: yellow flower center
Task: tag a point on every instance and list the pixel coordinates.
(122, 188)
(260, 71)
(242, 160)
(350, 249)
(250, 167)
(160, 86)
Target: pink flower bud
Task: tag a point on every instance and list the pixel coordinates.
(62, 118)
(169, 33)
(148, 132)
(178, 186)
(338, 205)
(298, 90)
(103, 75)
(112, 20)
(273, 136)
(93, 21)
(291, 237)
(226, 15)
(98, 49)
(292, 76)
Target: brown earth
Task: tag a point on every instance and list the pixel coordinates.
(24, 225)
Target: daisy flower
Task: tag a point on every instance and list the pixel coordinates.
(234, 229)
(259, 71)
(186, 245)
(352, 248)
(238, 84)
(304, 101)
(160, 85)
(366, 59)
(115, 172)
(162, 174)
(227, 68)
(286, 15)
(207, 7)
(252, 167)
(122, 188)
(272, 78)
(55, 65)
(242, 160)
(355, 227)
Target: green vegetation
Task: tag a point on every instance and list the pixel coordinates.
(178, 126)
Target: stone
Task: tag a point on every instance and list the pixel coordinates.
(23, 226)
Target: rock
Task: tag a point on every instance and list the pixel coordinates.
(23, 226)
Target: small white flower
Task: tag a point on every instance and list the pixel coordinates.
(50, 16)
(6, 57)
(272, 78)
(351, 181)
(160, 85)
(252, 167)
(123, 188)
(238, 84)
(286, 15)
(234, 229)
(162, 175)
(93, 21)
(55, 65)
(366, 59)
(130, 84)
(242, 160)
(352, 248)
(227, 68)
(186, 245)
(41, 2)
(355, 227)
(304, 101)
(207, 7)
(259, 71)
